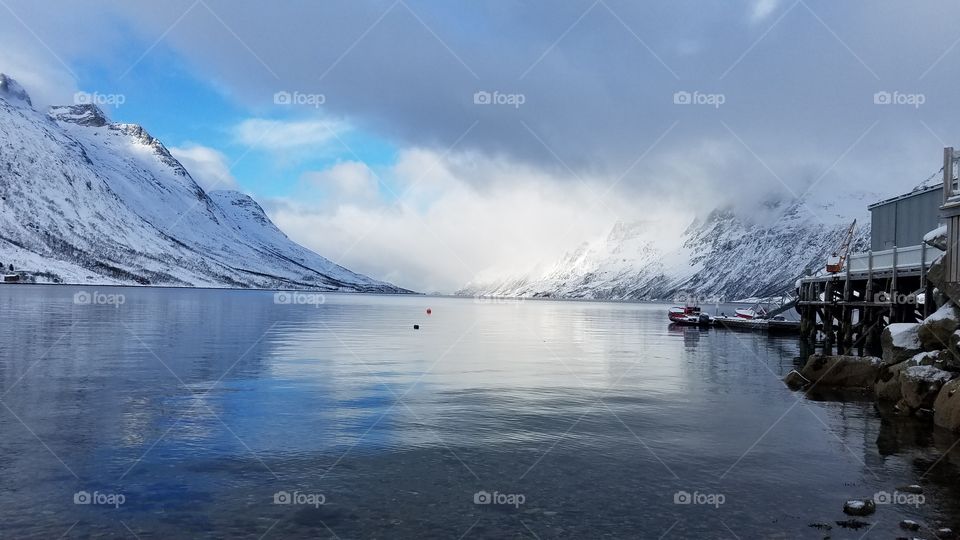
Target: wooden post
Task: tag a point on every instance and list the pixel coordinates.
(893, 286)
(947, 173)
(923, 275)
(830, 338)
(869, 297)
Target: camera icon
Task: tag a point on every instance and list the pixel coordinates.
(882, 98)
(482, 98)
(82, 98)
(282, 497)
(682, 98)
(482, 497)
(82, 497)
(282, 98)
(682, 497)
(82, 298)
(882, 497)
(282, 298)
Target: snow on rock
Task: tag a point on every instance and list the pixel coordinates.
(859, 507)
(934, 332)
(900, 342)
(86, 200)
(937, 238)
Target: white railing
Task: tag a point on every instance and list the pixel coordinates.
(906, 257)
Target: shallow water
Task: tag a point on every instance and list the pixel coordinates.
(183, 412)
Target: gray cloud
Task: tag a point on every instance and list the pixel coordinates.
(598, 80)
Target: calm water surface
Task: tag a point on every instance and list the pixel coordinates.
(199, 413)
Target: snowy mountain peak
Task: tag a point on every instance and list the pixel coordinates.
(10, 88)
(87, 200)
(87, 115)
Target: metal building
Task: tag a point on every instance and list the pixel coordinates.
(903, 220)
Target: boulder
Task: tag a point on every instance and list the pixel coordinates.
(859, 507)
(935, 331)
(795, 381)
(887, 386)
(919, 385)
(900, 341)
(946, 408)
(841, 371)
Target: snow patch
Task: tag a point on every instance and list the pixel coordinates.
(904, 335)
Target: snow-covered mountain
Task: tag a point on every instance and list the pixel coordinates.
(85, 200)
(724, 255)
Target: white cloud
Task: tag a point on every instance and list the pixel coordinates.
(763, 9)
(209, 167)
(349, 180)
(451, 227)
(280, 135)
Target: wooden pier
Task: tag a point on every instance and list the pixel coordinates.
(849, 310)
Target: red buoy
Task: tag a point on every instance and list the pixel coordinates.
(429, 311)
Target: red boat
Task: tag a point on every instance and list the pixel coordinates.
(681, 314)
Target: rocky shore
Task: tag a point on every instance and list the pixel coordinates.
(916, 375)
(918, 371)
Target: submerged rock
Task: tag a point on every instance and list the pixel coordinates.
(852, 524)
(859, 507)
(900, 342)
(946, 408)
(841, 371)
(909, 525)
(795, 381)
(935, 331)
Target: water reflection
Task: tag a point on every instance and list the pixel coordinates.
(200, 405)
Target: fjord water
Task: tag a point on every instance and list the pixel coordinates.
(183, 413)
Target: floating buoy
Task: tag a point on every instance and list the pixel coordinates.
(416, 327)
(429, 311)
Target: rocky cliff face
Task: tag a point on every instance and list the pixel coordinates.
(86, 200)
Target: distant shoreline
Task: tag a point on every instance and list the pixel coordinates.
(373, 293)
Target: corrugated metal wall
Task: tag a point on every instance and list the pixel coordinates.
(904, 222)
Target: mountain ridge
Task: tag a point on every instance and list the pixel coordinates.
(722, 255)
(87, 200)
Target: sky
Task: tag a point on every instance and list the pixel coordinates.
(432, 143)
